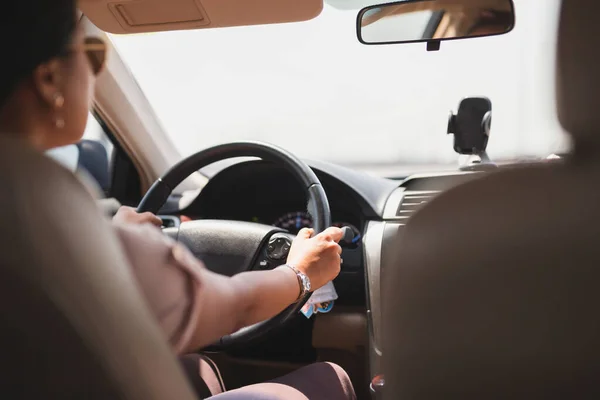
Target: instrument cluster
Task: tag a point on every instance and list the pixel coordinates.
(293, 222)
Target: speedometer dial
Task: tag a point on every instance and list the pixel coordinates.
(294, 221)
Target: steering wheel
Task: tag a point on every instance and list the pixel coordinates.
(231, 247)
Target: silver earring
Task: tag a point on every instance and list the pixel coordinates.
(59, 122)
(59, 102)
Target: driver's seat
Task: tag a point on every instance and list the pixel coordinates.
(73, 324)
(496, 291)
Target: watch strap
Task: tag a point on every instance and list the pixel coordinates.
(299, 276)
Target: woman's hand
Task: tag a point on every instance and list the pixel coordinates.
(128, 215)
(317, 257)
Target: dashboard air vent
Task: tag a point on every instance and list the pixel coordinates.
(413, 201)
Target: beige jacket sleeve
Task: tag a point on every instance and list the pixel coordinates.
(168, 276)
(166, 272)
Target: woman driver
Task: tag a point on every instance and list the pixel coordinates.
(47, 82)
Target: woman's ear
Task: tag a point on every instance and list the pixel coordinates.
(47, 80)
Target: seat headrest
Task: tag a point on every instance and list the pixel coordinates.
(578, 65)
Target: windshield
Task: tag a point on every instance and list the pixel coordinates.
(313, 89)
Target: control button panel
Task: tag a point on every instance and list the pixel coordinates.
(275, 252)
(278, 248)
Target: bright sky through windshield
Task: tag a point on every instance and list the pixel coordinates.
(312, 88)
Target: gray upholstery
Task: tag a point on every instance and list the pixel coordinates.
(496, 293)
(73, 323)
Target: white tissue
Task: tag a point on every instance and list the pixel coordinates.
(325, 294)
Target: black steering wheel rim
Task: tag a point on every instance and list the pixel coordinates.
(317, 207)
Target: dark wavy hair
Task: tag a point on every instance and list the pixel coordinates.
(32, 32)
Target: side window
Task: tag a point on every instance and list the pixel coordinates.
(95, 132)
(105, 161)
(109, 164)
(96, 152)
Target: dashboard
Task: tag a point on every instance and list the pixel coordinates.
(376, 209)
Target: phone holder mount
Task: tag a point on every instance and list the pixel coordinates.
(471, 127)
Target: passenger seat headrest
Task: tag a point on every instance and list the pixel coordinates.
(578, 71)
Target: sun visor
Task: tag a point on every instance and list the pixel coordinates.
(137, 16)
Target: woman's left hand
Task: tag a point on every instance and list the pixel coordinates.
(128, 215)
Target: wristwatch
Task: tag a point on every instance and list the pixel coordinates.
(303, 281)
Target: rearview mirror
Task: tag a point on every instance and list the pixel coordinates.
(433, 21)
